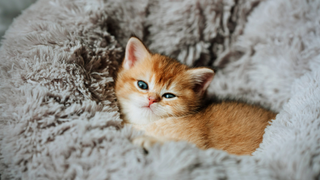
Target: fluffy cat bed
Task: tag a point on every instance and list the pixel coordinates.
(59, 116)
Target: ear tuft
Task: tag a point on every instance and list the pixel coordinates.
(202, 78)
(135, 51)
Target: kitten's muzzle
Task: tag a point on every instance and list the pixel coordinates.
(152, 100)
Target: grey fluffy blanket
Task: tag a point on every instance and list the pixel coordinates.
(10, 9)
(59, 116)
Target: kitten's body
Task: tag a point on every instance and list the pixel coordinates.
(167, 105)
(231, 126)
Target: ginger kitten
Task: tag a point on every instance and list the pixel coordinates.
(164, 98)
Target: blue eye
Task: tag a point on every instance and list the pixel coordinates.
(142, 85)
(168, 95)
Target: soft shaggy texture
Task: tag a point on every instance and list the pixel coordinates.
(60, 120)
(10, 9)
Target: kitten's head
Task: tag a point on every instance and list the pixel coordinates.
(151, 86)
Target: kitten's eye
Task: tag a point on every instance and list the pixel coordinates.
(142, 85)
(168, 95)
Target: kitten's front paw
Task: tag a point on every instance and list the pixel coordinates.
(145, 141)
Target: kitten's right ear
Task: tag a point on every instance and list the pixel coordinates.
(135, 51)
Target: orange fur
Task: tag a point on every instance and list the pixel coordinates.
(231, 126)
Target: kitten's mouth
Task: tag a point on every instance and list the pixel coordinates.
(148, 107)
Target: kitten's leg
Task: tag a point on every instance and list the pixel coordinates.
(148, 141)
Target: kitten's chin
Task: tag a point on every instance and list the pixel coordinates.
(139, 115)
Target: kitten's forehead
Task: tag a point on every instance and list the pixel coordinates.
(161, 73)
(167, 72)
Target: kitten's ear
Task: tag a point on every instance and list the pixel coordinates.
(135, 51)
(201, 78)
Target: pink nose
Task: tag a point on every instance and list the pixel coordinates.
(152, 100)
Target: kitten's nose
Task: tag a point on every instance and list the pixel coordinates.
(152, 100)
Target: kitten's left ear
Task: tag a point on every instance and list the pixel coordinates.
(202, 78)
(135, 51)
